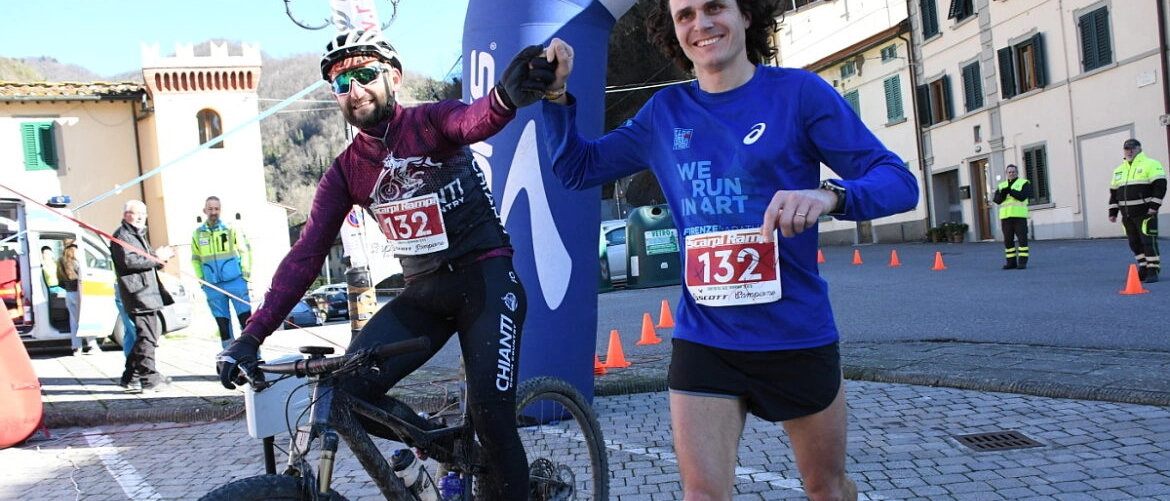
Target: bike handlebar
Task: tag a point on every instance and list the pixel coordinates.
(303, 368)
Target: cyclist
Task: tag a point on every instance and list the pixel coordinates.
(412, 169)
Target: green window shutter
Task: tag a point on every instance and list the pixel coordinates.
(1096, 48)
(922, 95)
(48, 145)
(929, 18)
(972, 87)
(1041, 179)
(1041, 65)
(1036, 169)
(1103, 42)
(960, 9)
(854, 101)
(40, 148)
(1007, 74)
(893, 88)
(947, 99)
(29, 137)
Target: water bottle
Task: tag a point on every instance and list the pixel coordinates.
(418, 475)
(451, 486)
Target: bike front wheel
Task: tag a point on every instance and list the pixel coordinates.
(267, 488)
(566, 451)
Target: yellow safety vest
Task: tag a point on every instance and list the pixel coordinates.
(1012, 207)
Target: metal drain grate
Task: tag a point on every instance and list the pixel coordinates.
(997, 441)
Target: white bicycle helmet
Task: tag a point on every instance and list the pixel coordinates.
(351, 42)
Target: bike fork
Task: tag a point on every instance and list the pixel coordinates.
(329, 441)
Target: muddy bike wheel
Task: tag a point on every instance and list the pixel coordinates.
(566, 451)
(265, 488)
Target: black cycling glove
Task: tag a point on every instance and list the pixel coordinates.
(242, 351)
(526, 78)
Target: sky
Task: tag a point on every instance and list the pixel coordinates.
(428, 34)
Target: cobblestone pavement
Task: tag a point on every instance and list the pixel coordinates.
(902, 446)
(1092, 387)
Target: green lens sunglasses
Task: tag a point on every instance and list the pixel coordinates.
(363, 76)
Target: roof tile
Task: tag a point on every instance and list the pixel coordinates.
(59, 90)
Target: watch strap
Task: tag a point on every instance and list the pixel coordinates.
(834, 187)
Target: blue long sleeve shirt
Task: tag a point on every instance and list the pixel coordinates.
(720, 157)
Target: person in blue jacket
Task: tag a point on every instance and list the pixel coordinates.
(222, 259)
(738, 153)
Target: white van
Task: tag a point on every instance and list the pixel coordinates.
(41, 317)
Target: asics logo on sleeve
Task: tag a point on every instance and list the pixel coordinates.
(755, 133)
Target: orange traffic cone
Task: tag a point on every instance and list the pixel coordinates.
(938, 262)
(1133, 285)
(894, 258)
(665, 320)
(615, 358)
(598, 369)
(648, 335)
(856, 256)
(820, 256)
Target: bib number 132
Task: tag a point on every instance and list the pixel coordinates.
(733, 267)
(414, 226)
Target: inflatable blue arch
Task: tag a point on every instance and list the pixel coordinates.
(555, 230)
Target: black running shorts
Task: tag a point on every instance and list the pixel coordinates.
(777, 385)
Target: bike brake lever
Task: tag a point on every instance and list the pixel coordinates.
(251, 374)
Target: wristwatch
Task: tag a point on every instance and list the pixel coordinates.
(833, 186)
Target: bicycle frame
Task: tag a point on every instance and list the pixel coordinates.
(333, 413)
(560, 434)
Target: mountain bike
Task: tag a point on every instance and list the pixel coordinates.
(562, 439)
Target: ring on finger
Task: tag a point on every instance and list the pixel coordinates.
(801, 214)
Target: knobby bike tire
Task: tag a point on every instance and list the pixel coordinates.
(265, 488)
(562, 439)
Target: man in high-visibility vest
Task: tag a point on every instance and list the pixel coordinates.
(1012, 196)
(1136, 192)
(222, 258)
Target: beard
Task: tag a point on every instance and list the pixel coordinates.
(371, 116)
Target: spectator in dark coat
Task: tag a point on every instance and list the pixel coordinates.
(142, 295)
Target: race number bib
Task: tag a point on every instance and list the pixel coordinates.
(414, 226)
(732, 268)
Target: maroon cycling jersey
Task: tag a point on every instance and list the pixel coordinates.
(416, 175)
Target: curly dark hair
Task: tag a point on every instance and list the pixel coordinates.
(660, 29)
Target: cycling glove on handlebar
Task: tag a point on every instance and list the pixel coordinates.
(242, 351)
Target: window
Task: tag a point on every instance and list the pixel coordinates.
(1096, 47)
(1036, 171)
(889, 53)
(972, 87)
(40, 145)
(848, 69)
(929, 18)
(854, 101)
(787, 5)
(210, 127)
(1021, 67)
(934, 101)
(893, 87)
(960, 10)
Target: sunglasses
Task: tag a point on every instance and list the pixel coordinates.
(363, 76)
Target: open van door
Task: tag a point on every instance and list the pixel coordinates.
(99, 314)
